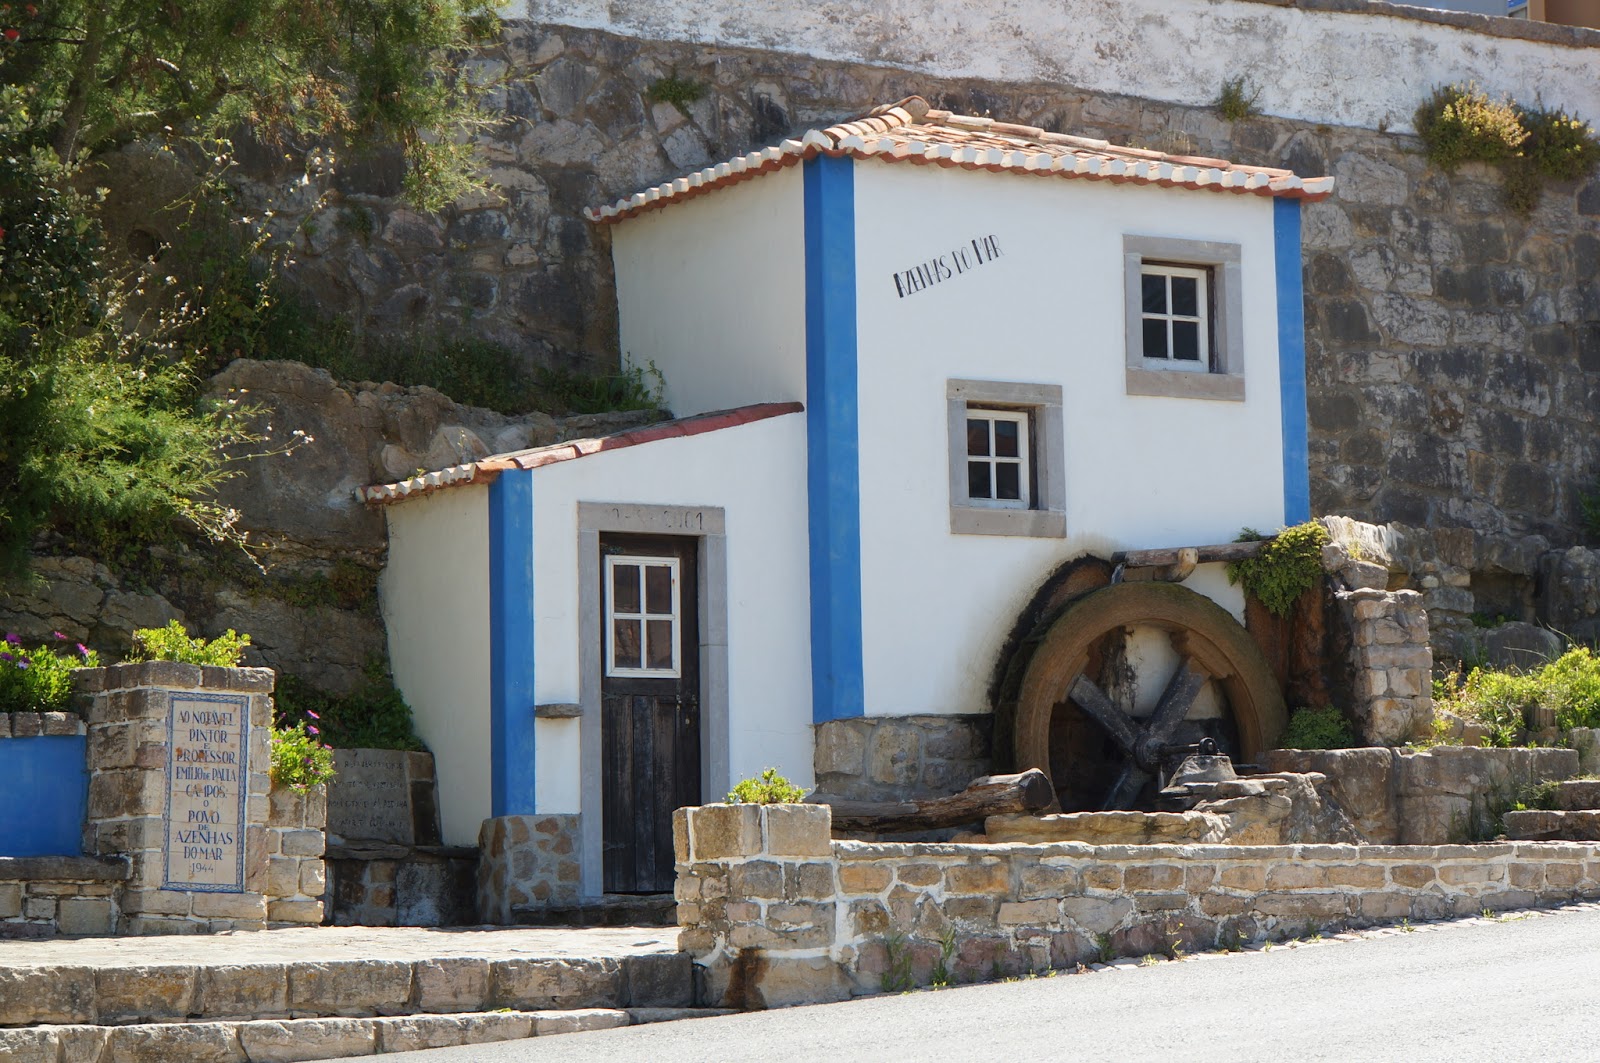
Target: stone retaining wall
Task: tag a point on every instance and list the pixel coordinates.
(45, 895)
(775, 912)
(893, 758)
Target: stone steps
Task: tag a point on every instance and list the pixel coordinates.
(107, 994)
(297, 1040)
(1578, 825)
(1578, 795)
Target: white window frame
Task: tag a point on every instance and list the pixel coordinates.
(1023, 421)
(643, 616)
(1221, 376)
(1043, 472)
(1201, 275)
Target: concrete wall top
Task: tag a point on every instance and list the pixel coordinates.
(1339, 62)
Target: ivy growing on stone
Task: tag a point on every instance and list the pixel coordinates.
(1287, 565)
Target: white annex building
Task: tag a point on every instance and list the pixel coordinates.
(921, 362)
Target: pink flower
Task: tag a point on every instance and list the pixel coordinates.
(83, 650)
(313, 730)
(313, 715)
(59, 636)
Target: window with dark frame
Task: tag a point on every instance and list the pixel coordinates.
(1175, 314)
(999, 458)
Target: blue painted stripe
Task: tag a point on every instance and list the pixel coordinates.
(511, 694)
(1292, 361)
(833, 467)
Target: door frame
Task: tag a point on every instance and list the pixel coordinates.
(707, 525)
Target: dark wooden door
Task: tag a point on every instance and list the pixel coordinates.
(649, 704)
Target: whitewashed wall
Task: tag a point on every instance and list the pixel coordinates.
(756, 472)
(712, 290)
(435, 598)
(1339, 68)
(1140, 472)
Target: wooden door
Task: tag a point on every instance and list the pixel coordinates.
(649, 704)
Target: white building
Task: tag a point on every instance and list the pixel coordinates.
(949, 355)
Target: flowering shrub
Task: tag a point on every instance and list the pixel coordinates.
(172, 643)
(298, 759)
(40, 679)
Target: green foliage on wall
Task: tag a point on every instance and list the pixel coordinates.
(1237, 99)
(39, 678)
(1324, 728)
(173, 643)
(1287, 565)
(299, 761)
(1501, 699)
(1531, 145)
(373, 716)
(769, 788)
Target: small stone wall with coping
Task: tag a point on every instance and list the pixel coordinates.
(45, 895)
(774, 912)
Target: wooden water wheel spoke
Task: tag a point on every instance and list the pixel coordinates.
(1126, 788)
(1176, 701)
(1104, 711)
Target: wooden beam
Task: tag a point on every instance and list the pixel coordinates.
(991, 795)
(1172, 555)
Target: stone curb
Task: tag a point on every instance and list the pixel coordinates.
(296, 1040)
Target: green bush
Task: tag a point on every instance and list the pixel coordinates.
(1237, 100)
(1460, 123)
(1287, 565)
(1569, 685)
(39, 679)
(298, 759)
(374, 716)
(1324, 728)
(172, 643)
(769, 788)
(1561, 146)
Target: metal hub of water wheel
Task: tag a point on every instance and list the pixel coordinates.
(1098, 753)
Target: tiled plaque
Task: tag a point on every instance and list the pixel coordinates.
(208, 777)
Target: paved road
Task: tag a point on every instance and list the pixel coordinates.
(1520, 989)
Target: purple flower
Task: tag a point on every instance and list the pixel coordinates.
(13, 639)
(313, 715)
(83, 650)
(8, 656)
(313, 730)
(22, 664)
(59, 636)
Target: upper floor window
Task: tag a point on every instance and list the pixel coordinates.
(1184, 312)
(1175, 313)
(998, 442)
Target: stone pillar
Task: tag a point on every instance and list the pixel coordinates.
(1392, 664)
(178, 756)
(527, 862)
(296, 840)
(756, 888)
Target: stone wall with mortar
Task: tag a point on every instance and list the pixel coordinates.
(1452, 347)
(1448, 794)
(1392, 664)
(775, 913)
(527, 861)
(892, 758)
(41, 896)
(127, 753)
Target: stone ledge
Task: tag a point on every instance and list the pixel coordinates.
(172, 675)
(64, 868)
(1488, 25)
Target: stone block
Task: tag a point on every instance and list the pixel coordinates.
(725, 832)
(1471, 874)
(1360, 876)
(302, 842)
(30, 1046)
(916, 874)
(25, 724)
(784, 981)
(350, 987)
(243, 991)
(990, 878)
(1251, 877)
(10, 900)
(1040, 881)
(894, 757)
(33, 995)
(841, 748)
(1106, 877)
(247, 906)
(1030, 913)
(61, 723)
(313, 878)
(808, 882)
(798, 830)
(309, 912)
(547, 1023)
(86, 916)
(307, 1039)
(418, 1032)
(1294, 877)
(283, 876)
(660, 980)
(868, 878)
(1153, 877)
(868, 918)
(144, 993)
(757, 878)
(452, 984)
(1412, 876)
(198, 1042)
(555, 983)
(1097, 915)
(680, 835)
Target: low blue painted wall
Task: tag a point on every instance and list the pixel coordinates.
(44, 789)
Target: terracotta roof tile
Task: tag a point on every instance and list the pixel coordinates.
(486, 469)
(909, 131)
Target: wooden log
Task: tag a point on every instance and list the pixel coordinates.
(1172, 555)
(991, 795)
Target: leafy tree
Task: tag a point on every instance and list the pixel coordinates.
(97, 74)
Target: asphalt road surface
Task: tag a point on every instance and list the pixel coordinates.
(1522, 988)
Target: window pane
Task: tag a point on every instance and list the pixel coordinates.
(1186, 341)
(1154, 287)
(625, 589)
(659, 643)
(658, 589)
(978, 480)
(625, 649)
(1006, 438)
(977, 436)
(1186, 296)
(1007, 482)
(1155, 339)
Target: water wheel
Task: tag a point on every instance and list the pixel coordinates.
(1097, 752)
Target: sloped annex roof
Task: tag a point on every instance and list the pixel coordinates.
(484, 470)
(910, 131)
